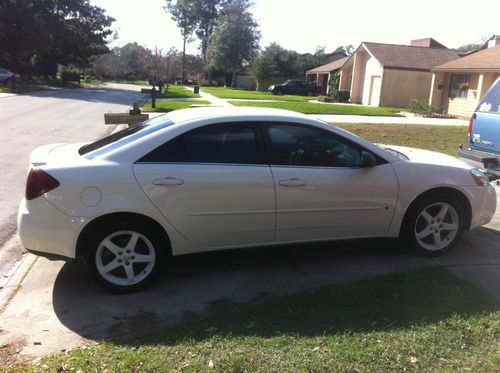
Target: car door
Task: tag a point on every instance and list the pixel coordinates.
(213, 185)
(322, 192)
(485, 129)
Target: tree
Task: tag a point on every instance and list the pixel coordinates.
(347, 49)
(37, 35)
(235, 39)
(136, 57)
(183, 13)
(110, 66)
(275, 61)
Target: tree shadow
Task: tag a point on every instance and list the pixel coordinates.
(108, 94)
(304, 289)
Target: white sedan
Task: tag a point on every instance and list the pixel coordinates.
(206, 179)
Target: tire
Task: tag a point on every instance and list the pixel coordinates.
(279, 93)
(124, 256)
(435, 224)
(310, 93)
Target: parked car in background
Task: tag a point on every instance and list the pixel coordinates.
(483, 149)
(207, 179)
(6, 75)
(295, 87)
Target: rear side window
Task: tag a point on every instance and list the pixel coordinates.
(491, 101)
(222, 143)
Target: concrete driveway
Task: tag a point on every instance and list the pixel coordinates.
(58, 306)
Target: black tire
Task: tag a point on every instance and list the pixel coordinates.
(116, 236)
(427, 232)
(310, 93)
(279, 93)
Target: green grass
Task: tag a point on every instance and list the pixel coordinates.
(444, 139)
(136, 82)
(178, 91)
(237, 93)
(92, 82)
(316, 108)
(166, 106)
(428, 320)
(21, 89)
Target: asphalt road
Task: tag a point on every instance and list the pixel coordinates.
(39, 118)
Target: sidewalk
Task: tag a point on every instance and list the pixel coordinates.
(364, 119)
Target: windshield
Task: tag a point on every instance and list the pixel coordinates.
(128, 134)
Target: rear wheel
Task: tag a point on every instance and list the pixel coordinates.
(310, 93)
(435, 224)
(279, 93)
(124, 257)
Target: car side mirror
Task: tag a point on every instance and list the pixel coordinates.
(368, 159)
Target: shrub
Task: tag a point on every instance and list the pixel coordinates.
(70, 76)
(420, 106)
(343, 96)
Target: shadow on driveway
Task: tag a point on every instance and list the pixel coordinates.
(237, 280)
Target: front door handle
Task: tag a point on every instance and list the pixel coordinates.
(168, 181)
(293, 182)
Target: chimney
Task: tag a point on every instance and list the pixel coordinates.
(494, 41)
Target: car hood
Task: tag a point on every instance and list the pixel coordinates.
(429, 157)
(54, 153)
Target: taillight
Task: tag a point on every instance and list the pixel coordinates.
(38, 183)
(470, 126)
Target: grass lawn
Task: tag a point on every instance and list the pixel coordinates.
(178, 91)
(444, 139)
(21, 89)
(136, 82)
(428, 320)
(238, 93)
(166, 106)
(313, 108)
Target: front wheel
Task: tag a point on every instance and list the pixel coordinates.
(435, 224)
(124, 257)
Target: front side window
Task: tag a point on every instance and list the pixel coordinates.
(491, 101)
(459, 86)
(295, 145)
(221, 143)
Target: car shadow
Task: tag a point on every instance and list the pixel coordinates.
(199, 284)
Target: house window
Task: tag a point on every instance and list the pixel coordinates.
(459, 86)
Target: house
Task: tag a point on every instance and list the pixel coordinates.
(321, 75)
(391, 75)
(457, 86)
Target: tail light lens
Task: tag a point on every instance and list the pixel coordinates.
(38, 183)
(470, 126)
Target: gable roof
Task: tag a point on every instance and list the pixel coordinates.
(329, 67)
(486, 60)
(407, 57)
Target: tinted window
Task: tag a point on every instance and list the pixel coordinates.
(211, 144)
(305, 146)
(491, 101)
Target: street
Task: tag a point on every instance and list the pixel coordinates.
(44, 117)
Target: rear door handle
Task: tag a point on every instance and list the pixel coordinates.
(168, 181)
(293, 182)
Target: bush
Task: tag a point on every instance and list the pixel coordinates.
(343, 96)
(70, 76)
(420, 106)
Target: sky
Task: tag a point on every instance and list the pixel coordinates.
(303, 25)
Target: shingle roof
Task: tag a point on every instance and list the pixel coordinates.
(408, 57)
(486, 60)
(329, 67)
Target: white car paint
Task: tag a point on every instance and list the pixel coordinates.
(213, 206)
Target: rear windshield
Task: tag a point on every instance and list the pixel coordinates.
(128, 134)
(491, 101)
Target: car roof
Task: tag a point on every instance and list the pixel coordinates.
(221, 112)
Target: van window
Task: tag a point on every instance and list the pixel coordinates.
(491, 101)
